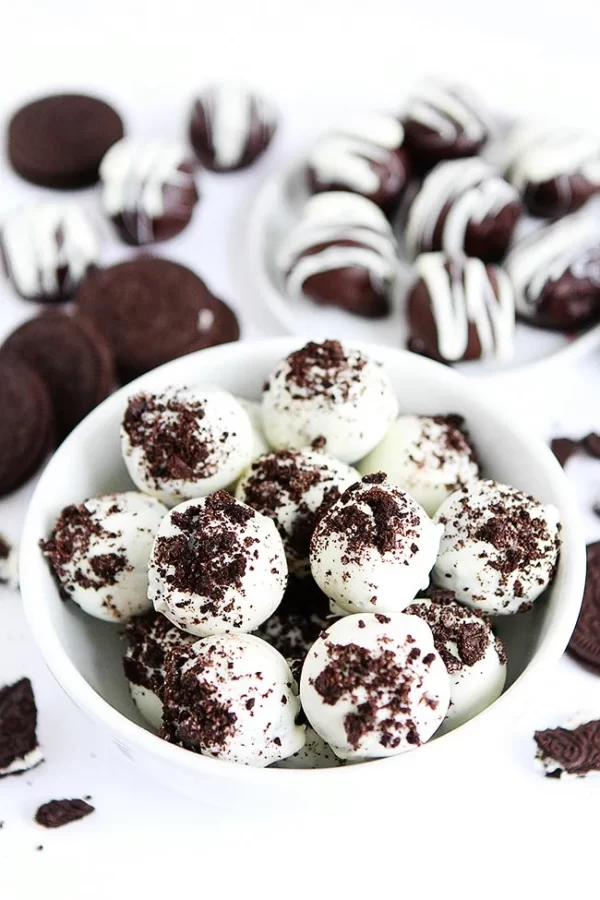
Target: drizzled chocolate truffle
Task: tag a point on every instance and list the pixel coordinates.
(294, 488)
(48, 249)
(230, 127)
(556, 274)
(341, 252)
(463, 207)
(554, 169)
(474, 657)
(149, 638)
(428, 457)
(148, 190)
(373, 550)
(374, 685)
(444, 121)
(216, 566)
(232, 697)
(499, 548)
(366, 156)
(99, 553)
(185, 443)
(460, 309)
(331, 393)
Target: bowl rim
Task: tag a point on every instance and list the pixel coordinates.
(128, 733)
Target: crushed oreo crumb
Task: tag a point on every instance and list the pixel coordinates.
(57, 813)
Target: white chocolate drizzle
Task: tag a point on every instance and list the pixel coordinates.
(232, 113)
(42, 240)
(461, 293)
(471, 188)
(331, 218)
(536, 155)
(570, 245)
(346, 156)
(450, 110)
(134, 176)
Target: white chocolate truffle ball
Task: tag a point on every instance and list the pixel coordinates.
(259, 441)
(99, 552)
(499, 548)
(149, 639)
(428, 457)
(185, 442)
(374, 685)
(328, 391)
(374, 549)
(232, 697)
(474, 657)
(294, 488)
(216, 566)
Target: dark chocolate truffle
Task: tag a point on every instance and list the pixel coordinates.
(463, 206)
(365, 157)
(153, 310)
(149, 190)
(460, 309)
(230, 127)
(556, 170)
(48, 249)
(341, 252)
(556, 274)
(444, 121)
(59, 141)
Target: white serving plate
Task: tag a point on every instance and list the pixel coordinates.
(84, 654)
(269, 217)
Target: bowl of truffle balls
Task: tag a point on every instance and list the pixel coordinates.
(269, 570)
(441, 226)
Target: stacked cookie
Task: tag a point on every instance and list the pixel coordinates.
(127, 318)
(490, 225)
(307, 581)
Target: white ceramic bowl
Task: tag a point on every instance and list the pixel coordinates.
(84, 654)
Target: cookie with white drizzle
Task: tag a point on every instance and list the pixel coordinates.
(556, 273)
(365, 156)
(463, 206)
(341, 252)
(230, 127)
(556, 170)
(48, 249)
(460, 309)
(444, 121)
(149, 190)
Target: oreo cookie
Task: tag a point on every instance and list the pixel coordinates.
(59, 141)
(73, 359)
(57, 813)
(585, 640)
(19, 748)
(151, 311)
(27, 432)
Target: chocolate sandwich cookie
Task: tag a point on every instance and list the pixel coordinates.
(27, 429)
(72, 357)
(59, 141)
(151, 311)
(585, 640)
(19, 748)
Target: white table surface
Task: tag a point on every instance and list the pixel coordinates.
(505, 822)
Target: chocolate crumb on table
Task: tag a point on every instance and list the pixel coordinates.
(57, 813)
(563, 449)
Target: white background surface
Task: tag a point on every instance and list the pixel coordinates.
(502, 822)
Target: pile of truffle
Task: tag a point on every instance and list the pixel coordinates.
(491, 225)
(308, 580)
